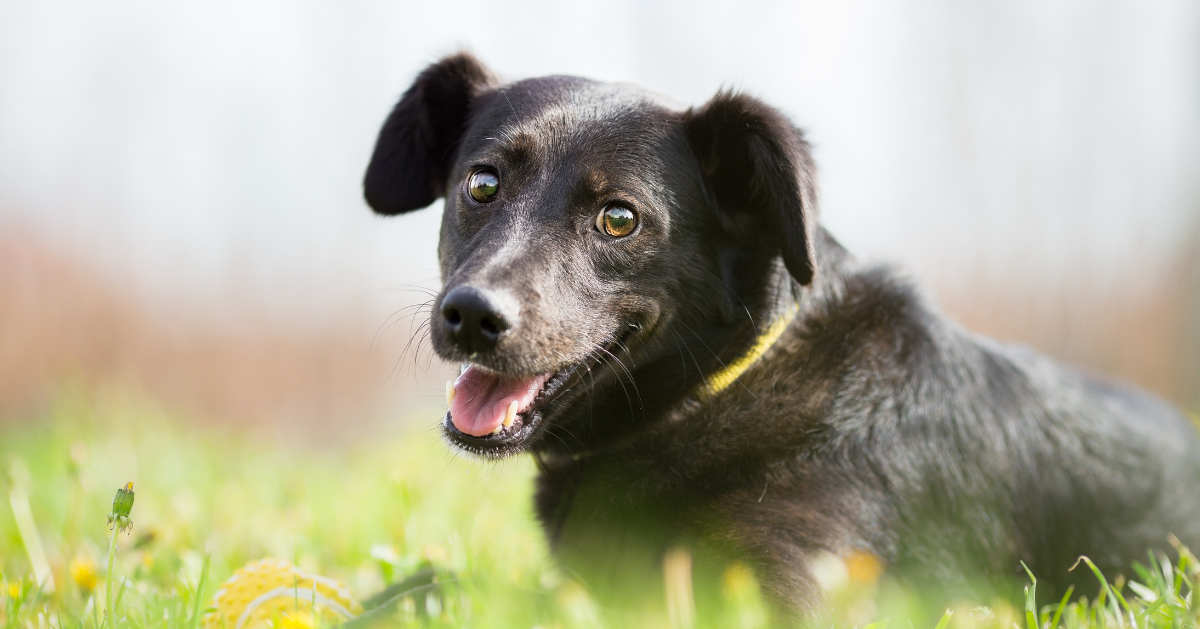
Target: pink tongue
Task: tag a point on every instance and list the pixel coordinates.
(481, 399)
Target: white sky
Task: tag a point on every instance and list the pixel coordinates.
(216, 149)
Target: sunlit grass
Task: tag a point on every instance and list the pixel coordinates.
(369, 517)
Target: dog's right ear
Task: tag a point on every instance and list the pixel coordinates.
(412, 155)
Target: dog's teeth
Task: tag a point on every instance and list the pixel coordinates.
(449, 392)
(498, 430)
(511, 414)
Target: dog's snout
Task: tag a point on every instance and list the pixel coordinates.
(475, 318)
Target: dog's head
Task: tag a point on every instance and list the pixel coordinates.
(592, 234)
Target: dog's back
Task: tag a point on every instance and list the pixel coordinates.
(1062, 463)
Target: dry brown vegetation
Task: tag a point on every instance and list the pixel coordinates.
(61, 322)
(1139, 331)
(64, 324)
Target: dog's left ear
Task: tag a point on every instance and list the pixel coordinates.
(409, 166)
(759, 171)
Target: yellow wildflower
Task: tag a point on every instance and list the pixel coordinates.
(14, 589)
(863, 567)
(738, 582)
(83, 572)
(297, 620)
(272, 592)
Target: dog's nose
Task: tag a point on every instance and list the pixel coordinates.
(476, 318)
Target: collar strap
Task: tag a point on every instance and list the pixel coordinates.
(730, 373)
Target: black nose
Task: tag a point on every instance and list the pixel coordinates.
(475, 318)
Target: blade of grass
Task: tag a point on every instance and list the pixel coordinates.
(1115, 600)
(1152, 608)
(27, 530)
(199, 591)
(1147, 574)
(945, 619)
(1062, 605)
(12, 610)
(1145, 592)
(1031, 620)
(121, 592)
(388, 595)
(380, 612)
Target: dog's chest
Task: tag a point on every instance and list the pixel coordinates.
(614, 535)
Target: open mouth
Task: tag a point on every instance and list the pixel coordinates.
(494, 414)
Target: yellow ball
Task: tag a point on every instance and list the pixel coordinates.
(274, 593)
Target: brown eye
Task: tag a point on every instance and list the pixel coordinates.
(616, 221)
(483, 185)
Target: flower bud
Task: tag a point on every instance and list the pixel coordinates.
(122, 505)
(123, 501)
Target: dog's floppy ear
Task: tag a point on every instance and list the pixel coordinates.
(409, 166)
(760, 173)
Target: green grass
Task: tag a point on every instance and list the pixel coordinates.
(209, 501)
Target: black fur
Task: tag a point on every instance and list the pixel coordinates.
(409, 165)
(874, 424)
(759, 174)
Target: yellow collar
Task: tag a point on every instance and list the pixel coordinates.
(721, 380)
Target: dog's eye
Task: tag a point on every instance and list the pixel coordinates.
(483, 185)
(616, 221)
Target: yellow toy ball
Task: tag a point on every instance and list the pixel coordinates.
(274, 593)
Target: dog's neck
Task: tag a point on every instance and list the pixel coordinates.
(785, 301)
(719, 381)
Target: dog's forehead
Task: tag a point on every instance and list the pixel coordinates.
(559, 107)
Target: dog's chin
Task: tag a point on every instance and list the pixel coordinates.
(496, 415)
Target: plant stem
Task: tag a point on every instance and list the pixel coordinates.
(111, 621)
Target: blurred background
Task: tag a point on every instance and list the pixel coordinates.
(181, 212)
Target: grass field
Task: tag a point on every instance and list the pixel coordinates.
(208, 502)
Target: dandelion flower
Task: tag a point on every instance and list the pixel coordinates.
(83, 573)
(297, 620)
(274, 593)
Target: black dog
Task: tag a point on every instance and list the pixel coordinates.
(648, 305)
